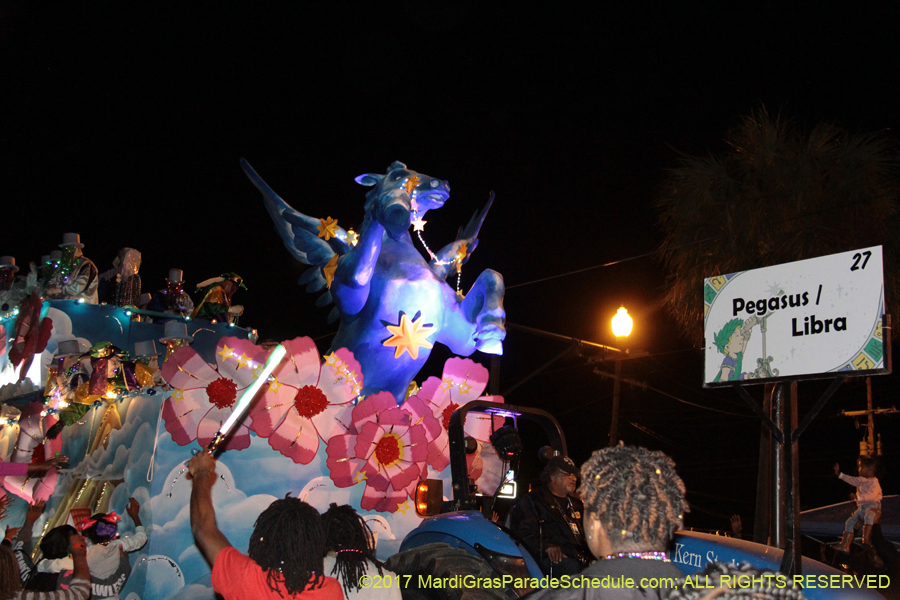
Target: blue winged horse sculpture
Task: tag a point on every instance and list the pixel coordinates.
(391, 302)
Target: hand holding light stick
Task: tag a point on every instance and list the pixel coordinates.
(246, 398)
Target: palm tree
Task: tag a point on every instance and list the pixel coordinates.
(778, 194)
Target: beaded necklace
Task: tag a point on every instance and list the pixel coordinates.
(640, 555)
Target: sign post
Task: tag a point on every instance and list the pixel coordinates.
(811, 319)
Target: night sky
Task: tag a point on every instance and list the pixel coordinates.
(125, 122)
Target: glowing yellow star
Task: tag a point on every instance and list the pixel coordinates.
(446, 384)
(411, 184)
(225, 352)
(464, 388)
(352, 237)
(274, 384)
(360, 476)
(329, 270)
(330, 359)
(242, 361)
(177, 395)
(258, 369)
(403, 507)
(419, 224)
(414, 204)
(327, 228)
(409, 336)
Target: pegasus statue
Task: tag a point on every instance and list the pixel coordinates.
(391, 302)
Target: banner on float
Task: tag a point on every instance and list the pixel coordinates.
(802, 319)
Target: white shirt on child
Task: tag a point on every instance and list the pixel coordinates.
(867, 488)
(102, 560)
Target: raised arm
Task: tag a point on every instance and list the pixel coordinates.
(209, 538)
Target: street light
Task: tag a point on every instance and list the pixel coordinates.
(621, 326)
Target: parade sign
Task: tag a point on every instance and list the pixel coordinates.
(801, 319)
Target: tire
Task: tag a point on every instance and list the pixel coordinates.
(444, 562)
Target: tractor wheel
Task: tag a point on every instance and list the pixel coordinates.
(448, 566)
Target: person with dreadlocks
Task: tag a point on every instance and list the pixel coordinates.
(284, 559)
(723, 581)
(350, 548)
(633, 502)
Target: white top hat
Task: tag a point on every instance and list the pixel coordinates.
(55, 254)
(175, 330)
(71, 239)
(175, 275)
(8, 262)
(145, 348)
(68, 348)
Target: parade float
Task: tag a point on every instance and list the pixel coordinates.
(134, 397)
(127, 393)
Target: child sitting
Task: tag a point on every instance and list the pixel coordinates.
(868, 502)
(106, 554)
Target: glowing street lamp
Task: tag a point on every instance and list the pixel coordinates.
(621, 325)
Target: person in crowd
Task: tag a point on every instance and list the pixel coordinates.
(20, 540)
(79, 588)
(634, 502)
(724, 581)
(8, 469)
(216, 294)
(77, 276)
(868, 505)
(11, 291)
(549, 520)
(285, 556)
(350, 548)
(107, 554)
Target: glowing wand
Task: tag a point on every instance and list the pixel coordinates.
(246, 398)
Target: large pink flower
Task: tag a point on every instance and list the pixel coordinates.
(386, 447)
(307, 400)
(204, 397)
(463, 381)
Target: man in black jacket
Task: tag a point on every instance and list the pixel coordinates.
(549, 520)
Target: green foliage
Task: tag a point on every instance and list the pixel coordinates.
(777, 195)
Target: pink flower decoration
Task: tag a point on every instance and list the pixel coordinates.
(204, 397)
(386, 448)
(463, 381)
(307, 400)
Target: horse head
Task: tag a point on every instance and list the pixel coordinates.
(390, 199)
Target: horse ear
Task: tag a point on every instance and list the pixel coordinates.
(368, 179)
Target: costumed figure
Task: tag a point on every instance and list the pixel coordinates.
(549, 520)
(11, 291)
(146, 364)
(49, 266)
(868, 506)
(121, 285)
(392, 303)
(31, 334)
(175, 336)
(634, 502)
(70, 374)
(172, 299)
(77, 276)
(215, 298)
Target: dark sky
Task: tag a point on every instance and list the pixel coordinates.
(124, 122)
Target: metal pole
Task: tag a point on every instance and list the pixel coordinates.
(776, 527)
(871, 416)
(614, 426)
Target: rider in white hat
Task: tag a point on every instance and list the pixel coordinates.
(77, 277)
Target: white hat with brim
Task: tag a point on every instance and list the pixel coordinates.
(145, 349)
(8, 262)
(71, 239)
(68, 348)
(175, 330)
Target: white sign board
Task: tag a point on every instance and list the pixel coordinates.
(799, 319)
